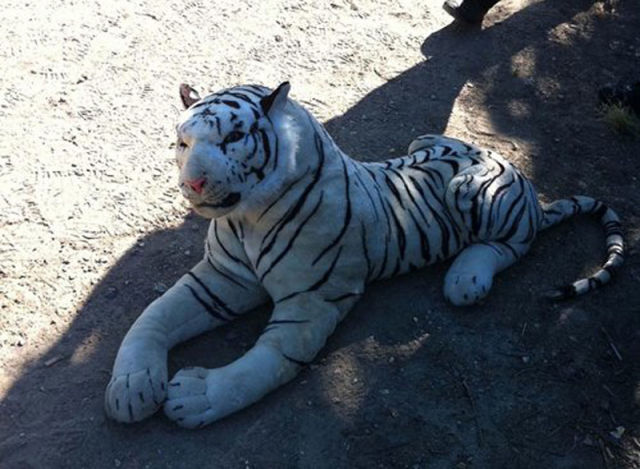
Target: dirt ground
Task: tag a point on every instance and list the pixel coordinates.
(92, 228)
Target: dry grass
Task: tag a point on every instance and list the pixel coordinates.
(621, 119)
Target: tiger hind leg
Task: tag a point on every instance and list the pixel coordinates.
(470, 277)
(497, 209)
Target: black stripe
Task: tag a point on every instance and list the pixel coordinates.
(226, 251)
(402, 239)
(266, 147)
(253, 90)
(287, 321)
(343, 297)
(512, 206)
(445, 237)
(293, 360)
(242, 97)
(394, 190)
(494, 203)
(317, 284)
(293, 238)
(365, 250)
(425, 249)
(226, 276)
(282, 194)
(213, 296)
(347, 216)
(207, 306)
(411, 197)
(233, 229)
(455, 167)
(515, 224)
(479, 203)
(290, 215)
(230, 103)
(385, 257)
(204, 102)
(373, 205)
(601, 211)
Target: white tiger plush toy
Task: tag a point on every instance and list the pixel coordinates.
(297, 221)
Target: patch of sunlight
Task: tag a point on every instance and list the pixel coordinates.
(519, 109)
(523, 63)
(564, 33)
(85, 350)
(344, 384)
(548, 87)
(6, 382)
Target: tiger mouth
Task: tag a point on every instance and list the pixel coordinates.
(231, 199)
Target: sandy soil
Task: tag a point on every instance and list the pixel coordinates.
(92, 228)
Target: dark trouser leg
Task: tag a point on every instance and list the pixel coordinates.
(469, 11)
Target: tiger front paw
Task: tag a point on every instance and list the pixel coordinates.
(134, 396)
(464, 289)
(198, 396)
(188, 402)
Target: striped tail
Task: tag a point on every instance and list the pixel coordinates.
(562, 209)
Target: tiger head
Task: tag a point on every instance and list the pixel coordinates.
(234, 147)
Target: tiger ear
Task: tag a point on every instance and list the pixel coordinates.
(275, 100)
(188, 95)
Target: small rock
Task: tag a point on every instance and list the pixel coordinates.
(525, 359)
(384, 392)
(159, 287)
(117, 462)
(618, 432)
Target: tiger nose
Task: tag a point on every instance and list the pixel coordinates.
(197, 184)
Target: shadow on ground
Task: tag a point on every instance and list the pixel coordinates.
(406, 380)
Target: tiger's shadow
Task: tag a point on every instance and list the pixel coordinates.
(386, 324)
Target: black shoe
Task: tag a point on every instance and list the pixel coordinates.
(468, 11)
(627, 95)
